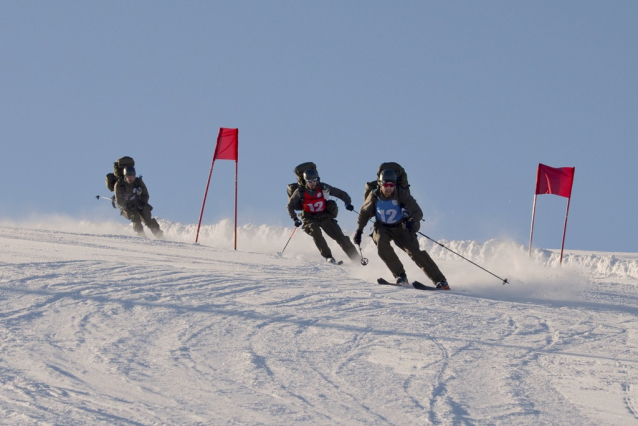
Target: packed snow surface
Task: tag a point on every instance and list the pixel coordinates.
(100, 327)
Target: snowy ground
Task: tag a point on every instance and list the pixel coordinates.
(98, 327)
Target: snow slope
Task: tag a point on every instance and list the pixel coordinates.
(99, 327)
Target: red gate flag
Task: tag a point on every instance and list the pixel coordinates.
(225, 149)
(226, 144)
(550, 180)
(558, 181)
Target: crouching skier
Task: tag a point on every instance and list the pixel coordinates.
(388, 203)
(132, 197)
(319, 213)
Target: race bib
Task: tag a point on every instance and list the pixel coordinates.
(389, 211)
(315, 204)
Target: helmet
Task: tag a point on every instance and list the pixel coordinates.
(388, 175)
(311, 174)
(129, 171)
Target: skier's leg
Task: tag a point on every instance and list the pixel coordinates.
(136, 222)
(312, 228)
(382, 238)
(332, 228)
(408, 242)
(150, 221)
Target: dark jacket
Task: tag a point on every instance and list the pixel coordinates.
(296, 200)
(131, 196)
(405, 200)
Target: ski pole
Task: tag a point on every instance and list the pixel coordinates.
(111, 199)
(364, 260)
(293, 233)
(436, 242)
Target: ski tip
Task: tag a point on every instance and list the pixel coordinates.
(386, 282)
(421, 286)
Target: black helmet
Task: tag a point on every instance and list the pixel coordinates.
(388, 175)
(129, 171)
(311, 174)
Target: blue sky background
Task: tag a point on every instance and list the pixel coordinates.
(468, 96)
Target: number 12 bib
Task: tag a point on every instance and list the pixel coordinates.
(315, 204)
(389, 211)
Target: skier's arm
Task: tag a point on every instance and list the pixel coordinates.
(410, 204)
(119, 198)
(366, 212)
(144, 196)
(294, 203)
(336, 192)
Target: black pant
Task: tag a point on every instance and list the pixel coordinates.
(137, 216)
(313, 226)
(406, 241)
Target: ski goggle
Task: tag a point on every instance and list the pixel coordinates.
(388, 184)
(311, 180)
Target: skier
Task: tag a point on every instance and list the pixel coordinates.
(132, 197)
(398, 219)
(317, 214)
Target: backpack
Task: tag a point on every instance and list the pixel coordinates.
(118, 172)
(301, 182)
(402, 178)
(331, 205)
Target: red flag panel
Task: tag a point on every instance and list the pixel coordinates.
(227, 142)
(558, 181)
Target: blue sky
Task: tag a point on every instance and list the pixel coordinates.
(468, 96)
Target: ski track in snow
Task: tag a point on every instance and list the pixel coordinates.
(111, 329)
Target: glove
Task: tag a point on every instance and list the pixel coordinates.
(408, 225)
(357, 237)
(349, 207)
(297, 222)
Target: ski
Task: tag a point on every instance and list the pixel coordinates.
(421, 286)
(386, 282)
(415, 284)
